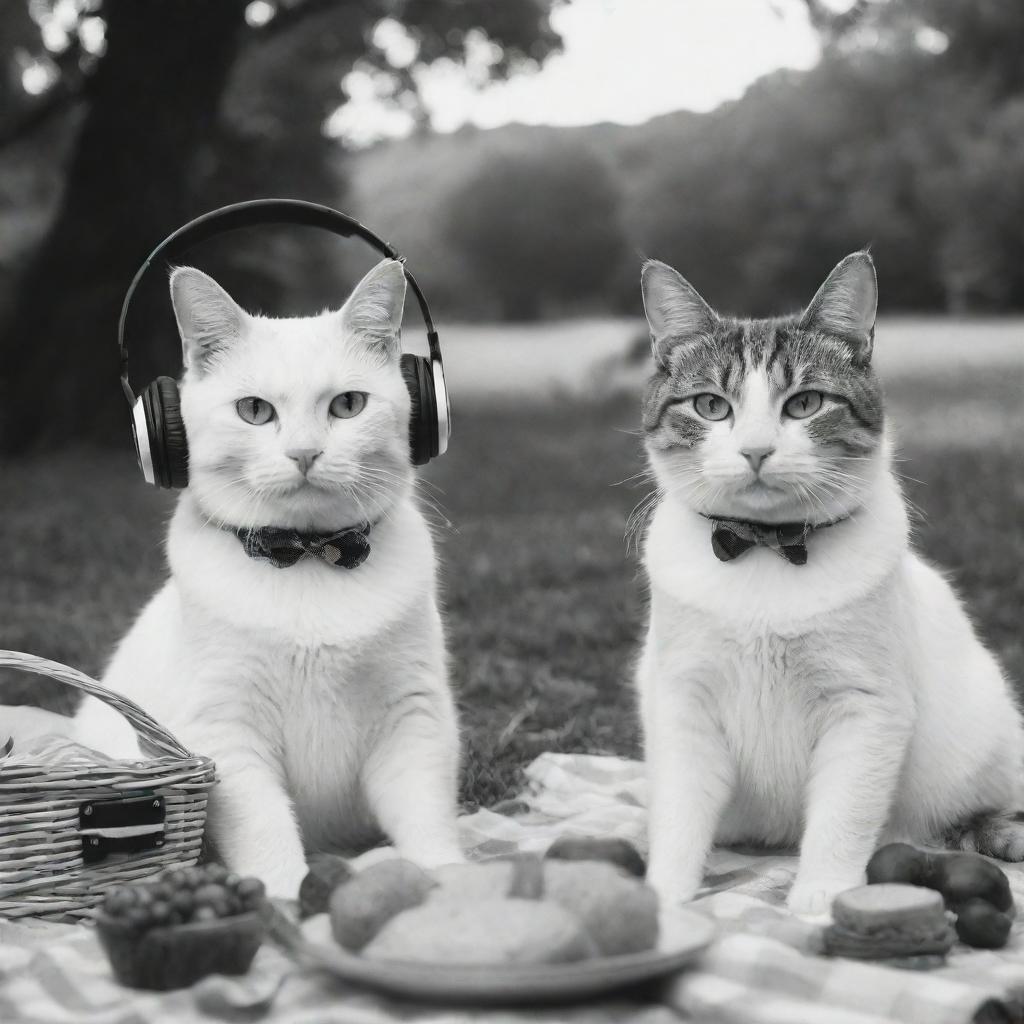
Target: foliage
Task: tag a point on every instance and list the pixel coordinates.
(536, 226)
(905, 138)
(977, 199)
(974, 40)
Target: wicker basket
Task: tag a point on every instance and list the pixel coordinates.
(68, 833)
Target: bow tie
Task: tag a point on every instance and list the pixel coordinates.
(730, 538)
(281, 547)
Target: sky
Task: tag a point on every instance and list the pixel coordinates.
(623, 61)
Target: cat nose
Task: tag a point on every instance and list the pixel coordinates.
(303, 457)
(755, 456)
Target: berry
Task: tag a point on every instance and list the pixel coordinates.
(211, 893)
(194, 877)
(979, 924)
(251, 888)
(899, 862)
(184, 896)
(118, 900)
(221, 907)
(160, 912)
(183, 902)
(137, 917)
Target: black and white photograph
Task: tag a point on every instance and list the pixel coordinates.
(511, 510)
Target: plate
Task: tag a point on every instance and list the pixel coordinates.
(683, 936)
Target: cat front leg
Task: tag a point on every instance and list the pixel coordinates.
(855, 770)
(410, 780)
(253, 823)
(690, 779)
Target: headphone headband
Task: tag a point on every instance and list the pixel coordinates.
(255, 212)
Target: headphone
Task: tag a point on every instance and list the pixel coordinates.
(161, 445)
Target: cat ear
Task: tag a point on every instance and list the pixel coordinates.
(675, 311)
(209, 320)
(373, 312)
(845, 304)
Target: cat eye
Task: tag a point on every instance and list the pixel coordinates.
(256, 411)
(711, 407)
(805, 404)
(348, 404)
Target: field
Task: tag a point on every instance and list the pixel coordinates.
(544, 601)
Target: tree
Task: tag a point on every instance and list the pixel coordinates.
(190, 103)
(126, 187)
(955, 130)
(981, 41)
(978, 199)
(775, 188)
(538, 226)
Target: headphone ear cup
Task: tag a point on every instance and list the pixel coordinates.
(167, 439)
(423, 408)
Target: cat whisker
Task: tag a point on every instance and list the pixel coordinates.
(381, 477)
(639, 516)
(646, 474)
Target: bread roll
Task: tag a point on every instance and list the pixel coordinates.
(618, 911)
(360, 907)
(488, 931)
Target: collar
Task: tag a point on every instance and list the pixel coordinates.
(731, 538)
(345, 548)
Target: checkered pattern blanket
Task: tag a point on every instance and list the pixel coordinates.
(765, 967)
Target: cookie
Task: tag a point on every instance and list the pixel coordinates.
(888, 920)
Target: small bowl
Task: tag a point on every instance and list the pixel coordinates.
(176, 956)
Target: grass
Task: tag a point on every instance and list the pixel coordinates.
(544, 602)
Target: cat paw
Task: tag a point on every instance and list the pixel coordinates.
(672, 887)
(814, 898)
(997, 835)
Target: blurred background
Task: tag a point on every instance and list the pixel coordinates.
(525, 155)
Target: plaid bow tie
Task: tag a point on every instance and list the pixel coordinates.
(730, 538)
(280, 547)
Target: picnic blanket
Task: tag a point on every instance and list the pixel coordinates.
(764, 968)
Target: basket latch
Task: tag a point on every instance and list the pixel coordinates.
(129, 825)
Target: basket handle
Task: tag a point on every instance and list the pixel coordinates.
(148, 730)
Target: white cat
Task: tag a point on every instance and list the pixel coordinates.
(321, 692)
(837, 703)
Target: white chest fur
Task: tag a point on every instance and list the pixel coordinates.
(760, 590)
(310, 603)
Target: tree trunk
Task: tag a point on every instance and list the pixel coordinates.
(153, 111)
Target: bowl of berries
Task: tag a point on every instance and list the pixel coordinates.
(189, 923)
